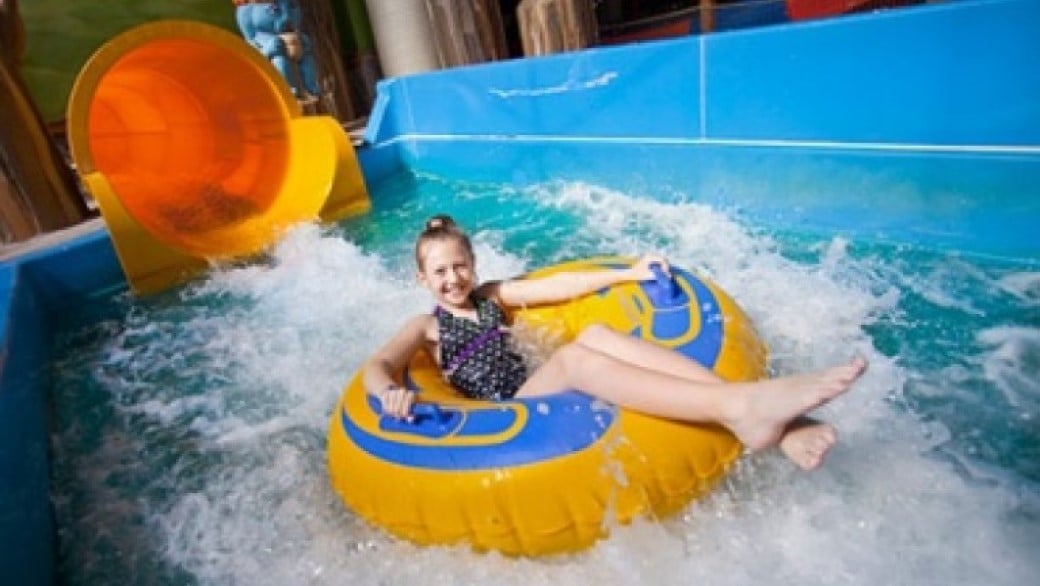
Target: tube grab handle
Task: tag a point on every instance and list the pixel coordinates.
(664, 290)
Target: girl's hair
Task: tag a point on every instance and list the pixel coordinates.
(439, 228)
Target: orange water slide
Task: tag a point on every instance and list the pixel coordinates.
(195, 150)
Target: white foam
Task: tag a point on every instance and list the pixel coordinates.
(1012, 354)
(1023, 285)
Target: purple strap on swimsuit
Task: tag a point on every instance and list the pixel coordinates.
(472, 347)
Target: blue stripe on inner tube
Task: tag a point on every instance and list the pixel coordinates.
(669, 323)
(557, 425)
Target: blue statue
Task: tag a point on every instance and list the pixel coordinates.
(273, 27)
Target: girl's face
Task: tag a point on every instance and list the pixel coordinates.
(447, 271)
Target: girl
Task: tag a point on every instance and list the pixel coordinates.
(466, 335)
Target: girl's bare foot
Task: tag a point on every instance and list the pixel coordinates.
(807, 441)
(763, 409)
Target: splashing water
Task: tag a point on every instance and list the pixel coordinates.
(190, 428)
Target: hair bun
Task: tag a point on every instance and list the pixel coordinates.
(440, 222)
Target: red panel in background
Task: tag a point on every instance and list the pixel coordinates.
(800, 9)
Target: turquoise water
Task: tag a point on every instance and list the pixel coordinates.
(190, 427)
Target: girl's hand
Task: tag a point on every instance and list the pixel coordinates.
(640, 271)
(397, 402)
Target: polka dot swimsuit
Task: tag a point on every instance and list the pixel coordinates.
(476, 357)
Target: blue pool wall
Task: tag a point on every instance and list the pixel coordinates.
(36, 289)
(916, 125)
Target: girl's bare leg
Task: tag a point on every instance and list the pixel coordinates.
(756, 412)
(804, 441)
(643, 353)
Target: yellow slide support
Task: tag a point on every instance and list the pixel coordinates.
(195, 149)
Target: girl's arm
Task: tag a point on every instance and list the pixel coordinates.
(379, 371)
(568, 285)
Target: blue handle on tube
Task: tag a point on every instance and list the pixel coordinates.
(664, 291)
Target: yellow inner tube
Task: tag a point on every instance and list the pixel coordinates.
(546, 475)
